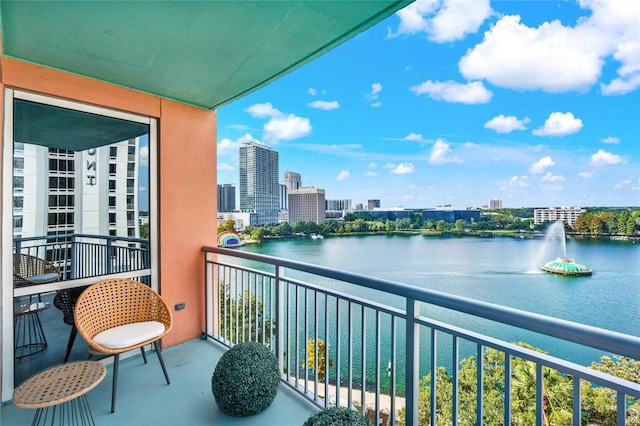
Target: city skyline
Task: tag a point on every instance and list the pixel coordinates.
(450, 102)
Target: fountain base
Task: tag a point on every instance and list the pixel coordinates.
(566, 266)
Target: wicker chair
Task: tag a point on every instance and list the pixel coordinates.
(29, 337)
(118, 315)
(65, 300)
(31, 270)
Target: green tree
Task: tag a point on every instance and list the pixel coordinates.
(389, 226)
(244, 318)
(460, 225)
(443, 226)
(598, 403)
(228, 225)
(319, 348)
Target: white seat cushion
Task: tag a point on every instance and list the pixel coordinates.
(128, 335)
(44, 278)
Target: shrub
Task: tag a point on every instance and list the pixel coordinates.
(246, 379)
(337, 416)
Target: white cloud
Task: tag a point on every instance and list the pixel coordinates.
(621, 86)
(417, 137)
(552, 178)
(390, 166)
(403, 169)
(541, 165)
(442, 20)
(224, 166)
(559, 124)
(519, 181)
(228, 147)
(604, 158)
(373, 165)
(370, 174)
(324, 105)
(502, 124)
(439, 153)
(557, 58)
(372, 96)
(585, 175)
(263, 110)
(280, 126)
(610, 139)
(287, 128)
(622, 184)
(471, 93)
(343, 175)
(144, 156)
(312, 91)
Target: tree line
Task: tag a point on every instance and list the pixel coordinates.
(602, 221)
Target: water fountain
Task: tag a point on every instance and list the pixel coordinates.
(562, 265)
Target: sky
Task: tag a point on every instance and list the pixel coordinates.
(456, 102)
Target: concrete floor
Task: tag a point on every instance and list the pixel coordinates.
(144, 398)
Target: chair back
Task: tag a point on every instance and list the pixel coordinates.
(115, 302)
(65, 300)
(25, 266)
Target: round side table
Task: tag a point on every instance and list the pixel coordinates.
(61, 391)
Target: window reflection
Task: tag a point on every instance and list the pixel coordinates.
(93, 219)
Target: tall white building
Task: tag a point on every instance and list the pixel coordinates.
(552, 214)
(259, 187)
(495, 204)
(89, 192)
(307, 203)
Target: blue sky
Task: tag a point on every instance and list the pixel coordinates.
(458, 102)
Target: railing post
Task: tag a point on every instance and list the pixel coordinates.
(109, 260)
(412, 362)
(280, 320)
(212, 295)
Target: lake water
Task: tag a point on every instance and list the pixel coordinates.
(500, 270)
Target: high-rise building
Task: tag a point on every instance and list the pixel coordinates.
(226, 197)
(373, 204)
(337, 208)
(90, 192)
(495, 204)
(292, 180)
(552, 214)
(259, 187)
(306, 203)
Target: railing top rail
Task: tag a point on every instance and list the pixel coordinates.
(104, 237)
(607, 340)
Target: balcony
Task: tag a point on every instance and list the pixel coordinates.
(374, 340)
(144, 398)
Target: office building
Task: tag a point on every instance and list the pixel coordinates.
(226, 197)
(495, 204)
(308, 204)
(450, 215)
(292, 180)
(373, 204)
(552, 214)
(259, 187)
(336, 209)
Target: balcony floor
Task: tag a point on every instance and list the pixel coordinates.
(144, 398)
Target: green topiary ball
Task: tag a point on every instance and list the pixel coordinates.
(246, 379)
(337, 416)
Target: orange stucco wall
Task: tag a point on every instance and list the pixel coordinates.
(187, 181)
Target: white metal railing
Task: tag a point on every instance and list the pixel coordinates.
(334, 331)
